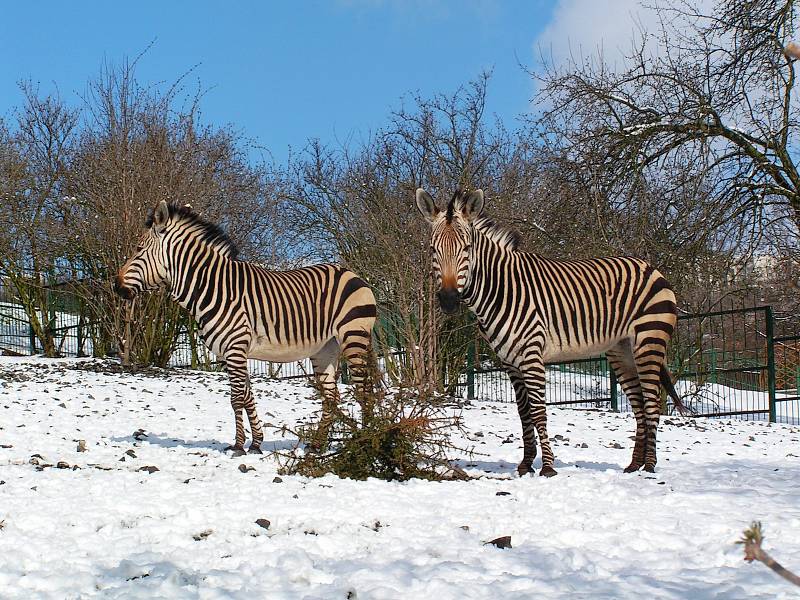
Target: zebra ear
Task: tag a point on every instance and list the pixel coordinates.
(472, 205)
(161, 216)
(426, 205)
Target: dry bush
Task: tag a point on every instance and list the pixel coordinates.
(33, 237)
(395, 434)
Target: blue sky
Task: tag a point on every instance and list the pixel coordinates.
(281, 72)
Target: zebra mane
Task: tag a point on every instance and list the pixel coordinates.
(210, 233)
(504, 237)
(457, 195)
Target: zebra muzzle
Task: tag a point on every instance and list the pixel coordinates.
(123, 291)
(448, 300)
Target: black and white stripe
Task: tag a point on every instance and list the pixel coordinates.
(244, 310)
(532, 310)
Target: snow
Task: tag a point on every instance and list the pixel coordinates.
(109, 530)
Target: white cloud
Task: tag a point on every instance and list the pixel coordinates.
(585, 28)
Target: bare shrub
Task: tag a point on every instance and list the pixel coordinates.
(396, 434)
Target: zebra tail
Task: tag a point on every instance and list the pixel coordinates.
(666, 381)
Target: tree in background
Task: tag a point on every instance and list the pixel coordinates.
(356, 205)
(33, 163)
(77, 185)
(139, 147)
(709, 94)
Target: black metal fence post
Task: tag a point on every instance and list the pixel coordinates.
(770, 332)
(612, 383)
(471, 372)
(31, 338)
(79, 335)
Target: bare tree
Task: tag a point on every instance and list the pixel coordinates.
(355, 205)
(716, 89)
(34, 240)
(140, 146)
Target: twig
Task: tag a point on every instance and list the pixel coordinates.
(751, 539)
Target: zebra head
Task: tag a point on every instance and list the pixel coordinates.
(451, 240)
(147, 269)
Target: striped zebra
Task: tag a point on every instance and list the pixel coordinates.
(244, 310)
(531, 310)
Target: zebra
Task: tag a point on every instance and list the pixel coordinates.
(244, 310)
(532, 309)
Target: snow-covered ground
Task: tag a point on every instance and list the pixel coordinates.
(105, 527)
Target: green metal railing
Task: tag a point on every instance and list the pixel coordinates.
(725, 362)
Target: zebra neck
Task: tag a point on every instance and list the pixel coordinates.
(489, 265)
(190, 276)
(476, 281)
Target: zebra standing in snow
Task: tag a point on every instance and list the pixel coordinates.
(531, 310)
(247, 311)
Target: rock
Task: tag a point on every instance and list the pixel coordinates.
(131, 453)
(62, 465)
(503, 494)
(501, 542)
(277, 480)
(81, 446)
(584, 445)
(244, 468)
(263, 523)
(202, 535)
(149, 469)
(139, 434)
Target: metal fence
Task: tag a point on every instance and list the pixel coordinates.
(728, 363)
(738, 363)
(65, 319)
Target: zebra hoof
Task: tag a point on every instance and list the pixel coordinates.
(235, 450)
(632, 468)
(254, 450)
(650, 468)
(524, 469)
(547, 472)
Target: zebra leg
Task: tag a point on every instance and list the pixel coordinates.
(534, 382)
(355, 342)
(528, 430)
(325, 363)
(621, 360)
(242, 399)
(649, 357)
